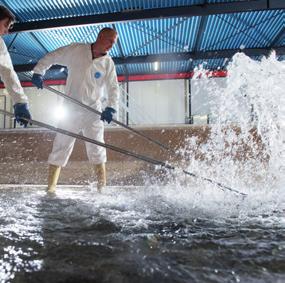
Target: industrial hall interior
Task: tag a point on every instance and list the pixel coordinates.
(142, 140)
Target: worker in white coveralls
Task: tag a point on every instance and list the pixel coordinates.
(7, 73)
(91, 71)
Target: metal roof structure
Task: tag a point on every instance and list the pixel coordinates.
(179, 34)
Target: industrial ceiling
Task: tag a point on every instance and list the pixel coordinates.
(178, 34)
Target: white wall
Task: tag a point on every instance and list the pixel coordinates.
(157, 102)
(42, 105)
(5, 99)
(150, 102)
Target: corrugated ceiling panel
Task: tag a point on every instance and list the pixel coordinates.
(164, 67)
(55, 38)
(8, 38)
(222, 1)
(242, 30)
(49, 75)
(281, 42)
(48, 9)
(157, 36)
(22, 76)
(141, 68)
(120, 70)
(175, 67)
(55, 75)
(227, 31)
(24, 49)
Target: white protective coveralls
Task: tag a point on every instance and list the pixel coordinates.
(9, 76)
(87, 80)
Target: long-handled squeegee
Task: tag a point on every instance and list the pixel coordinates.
(123, 151)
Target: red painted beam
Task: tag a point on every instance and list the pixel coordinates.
(148, 77)
(143, 77)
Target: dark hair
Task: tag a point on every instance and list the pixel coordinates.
(5, 13)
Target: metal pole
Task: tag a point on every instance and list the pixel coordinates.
(186, 102)
(190, 104)
(127, 104)
(123, 151)
(5, 108)
(99, 113)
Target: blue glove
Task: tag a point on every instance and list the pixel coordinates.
(37, 80)
(21, 111)
(107, 114)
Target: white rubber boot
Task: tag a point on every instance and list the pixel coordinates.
(53, 176)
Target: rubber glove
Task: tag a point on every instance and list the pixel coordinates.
(21, 110)
(37, 80)
(107, 114)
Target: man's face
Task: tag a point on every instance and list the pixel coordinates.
(5, 25)
(106, 41)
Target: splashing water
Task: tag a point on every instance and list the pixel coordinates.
(186, 231)
(245, 146)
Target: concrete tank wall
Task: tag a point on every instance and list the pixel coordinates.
(24, 154)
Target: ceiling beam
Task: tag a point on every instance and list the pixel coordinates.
(132, 15)
(199, 36)
(170, 57)
(278, 37)
(198, 55)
